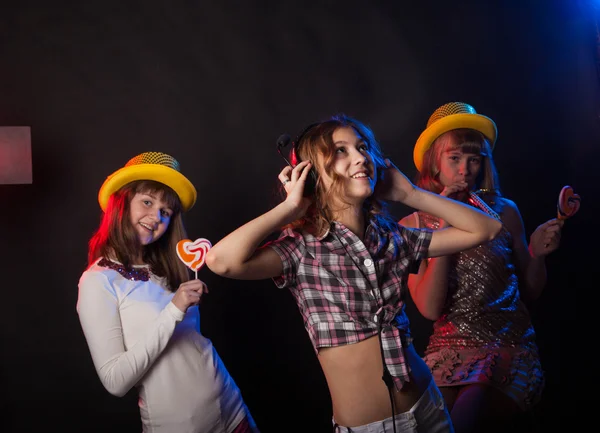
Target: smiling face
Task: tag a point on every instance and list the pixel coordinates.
(149, 216)
(353, 163)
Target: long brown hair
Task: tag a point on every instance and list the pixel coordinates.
(116, 237)
(468, 141)
(318, 143)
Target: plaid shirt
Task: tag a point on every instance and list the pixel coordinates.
(347, 290)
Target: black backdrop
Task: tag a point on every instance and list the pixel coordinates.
(214, 83)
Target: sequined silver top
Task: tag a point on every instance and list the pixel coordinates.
(483, 306)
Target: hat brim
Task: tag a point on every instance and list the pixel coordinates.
(159, 173)
(478, 122)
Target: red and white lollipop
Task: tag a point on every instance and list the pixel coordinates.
(568, 203)
(193, 254)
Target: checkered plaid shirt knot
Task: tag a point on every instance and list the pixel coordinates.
(348, 290)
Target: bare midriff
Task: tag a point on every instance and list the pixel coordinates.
(354, 376)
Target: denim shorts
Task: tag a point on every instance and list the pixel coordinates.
(428, 415)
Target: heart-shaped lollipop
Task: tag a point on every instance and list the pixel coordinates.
(193, 254)
(568, 203)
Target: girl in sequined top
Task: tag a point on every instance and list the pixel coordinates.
(137, 306)
(345, 261)
(482, 351)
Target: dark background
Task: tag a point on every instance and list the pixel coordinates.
(214, 83)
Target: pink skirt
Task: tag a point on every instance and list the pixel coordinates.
(516, 372)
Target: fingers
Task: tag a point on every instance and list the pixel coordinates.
(189, 293)
(553, 229)
(288, 176)
(303, 170)
(555, 222)
(197, 286)
(299, 169)
(284, 175)
(454, 188)
(551, 237)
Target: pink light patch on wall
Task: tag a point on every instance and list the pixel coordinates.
(15, 155)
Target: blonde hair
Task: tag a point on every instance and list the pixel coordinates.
(316, 144)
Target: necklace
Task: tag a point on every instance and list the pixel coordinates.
(133, 274)
(487, 191)
(476, 201)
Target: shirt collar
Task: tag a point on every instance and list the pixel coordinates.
(335, 225)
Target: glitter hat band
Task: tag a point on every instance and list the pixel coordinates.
(155, 166)
(453, 115)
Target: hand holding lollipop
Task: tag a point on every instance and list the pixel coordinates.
(568, 203)
(567, 206)
(193, 254)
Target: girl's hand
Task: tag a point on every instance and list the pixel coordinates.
(189, 293)
(452, 190)
(293, 181)
(545, 238)
(393, 184)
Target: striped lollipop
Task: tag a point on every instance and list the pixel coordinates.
(193, 254)
(568, 203)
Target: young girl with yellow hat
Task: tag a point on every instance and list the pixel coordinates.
(136, 306)
(482, 351)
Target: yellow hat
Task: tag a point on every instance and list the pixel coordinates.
(453, 115)
(155, 166)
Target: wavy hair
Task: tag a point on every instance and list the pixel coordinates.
(317, 142)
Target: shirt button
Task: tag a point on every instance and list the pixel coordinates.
(368, 262)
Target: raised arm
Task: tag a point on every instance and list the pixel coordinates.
(238, 255)
(469, 226)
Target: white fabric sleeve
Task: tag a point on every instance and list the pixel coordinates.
(98, 308)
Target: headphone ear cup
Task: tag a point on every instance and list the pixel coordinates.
(311, 179)
(311, 183)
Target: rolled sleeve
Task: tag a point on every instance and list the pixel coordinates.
(290, 248)
(417, 241)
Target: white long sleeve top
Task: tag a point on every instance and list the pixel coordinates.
(138, 337)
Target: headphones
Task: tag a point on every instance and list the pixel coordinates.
(283, 141)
